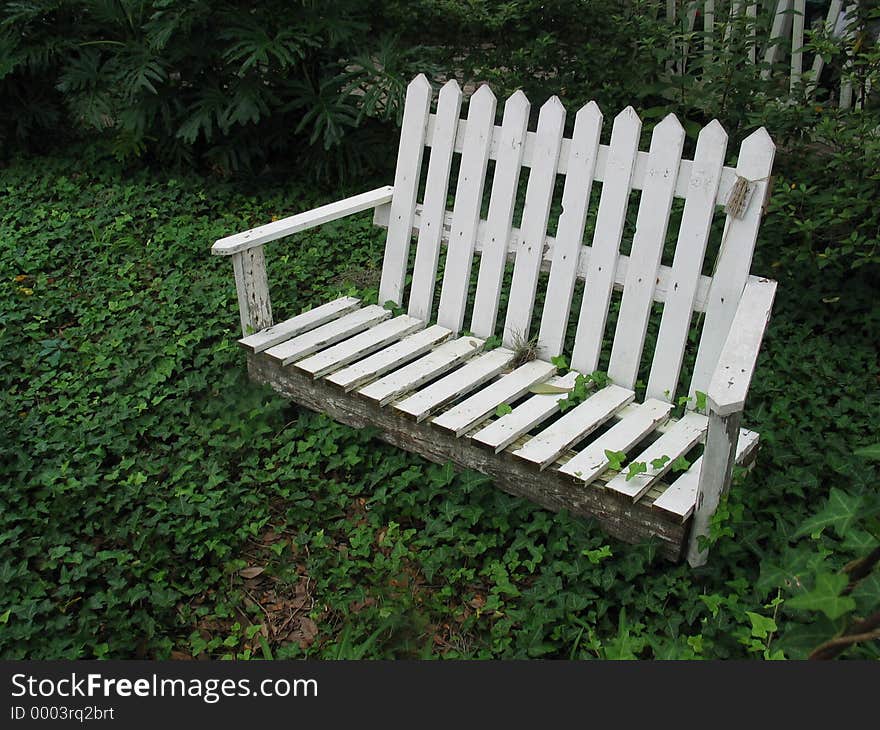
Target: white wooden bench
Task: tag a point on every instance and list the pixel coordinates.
(426, 379)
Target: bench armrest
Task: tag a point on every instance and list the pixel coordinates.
(733, 374)
(301, 221)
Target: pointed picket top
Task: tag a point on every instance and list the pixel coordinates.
(714, 131)
(625, 133)
(551, 121)
(588, 112)
(450, 87)
(483, 95)
(419, 84)
(517, 106)
(756, 156)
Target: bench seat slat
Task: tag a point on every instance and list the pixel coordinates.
(575, 425)
(426, 368)
(388, 359)
(680, 497)
(677, 441)
(278, 333)
(622, 436)
(512, 386)
(502, 432)
(359, 346)
(328, 334)
(469, 376)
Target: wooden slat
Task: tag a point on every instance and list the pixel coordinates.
(359, 346)
(574, 425)
(606, 241)
(734, 258)
(736, 365)
(294, 326)
(502, 432)
(818, 61)
(781, 21)
(570, 231)
(426, 368)
(536, 213)
(390, 358)
(728, 176)
(797, 44)
(680, 497)
(690, 250)
(590, 463)
(421, 298)
(260, 235)
(406, 185)
(647, 248)
(681, 437)
(471, 375)
(327, 334)
(499, 220)
(507, 389)
(466, 212)
(664, 275)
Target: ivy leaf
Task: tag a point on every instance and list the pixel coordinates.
(839, 513)
(680, 464)
(866, 594)
(503, 409)
(825, 596)
(615, 459)
(762, 626)
(700, 400)
(659, 462)
(870, 452)
(637, 467)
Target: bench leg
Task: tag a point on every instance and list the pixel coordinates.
(252, 286)
(718, 460)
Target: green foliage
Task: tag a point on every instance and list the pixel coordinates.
(226, 85)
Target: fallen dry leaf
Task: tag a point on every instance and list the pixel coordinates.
(251, 572)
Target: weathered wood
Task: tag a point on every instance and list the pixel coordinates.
(677, 441)
(640, 169)
(690, 251)
(622, 436)
(610, 220)
(665, 282)
(359, 346)
(680, 497)
(536, 212)
(574, 426)
(534, 411)
(735, 257)
(300, 222)
(294, 326)
(717, 467)
(499, 220)
(395, 356)
(736, 365)
(406, 187)
(411, 376)
(466, 212)
(570, 232)
(469, 376)
(647, 248)
(252, 289)
(421, 298)
(619, 517)
(512, 386)
(328, 334)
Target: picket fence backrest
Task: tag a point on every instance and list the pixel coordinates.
(594, 182)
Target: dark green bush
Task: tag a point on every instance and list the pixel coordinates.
(226, 84)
